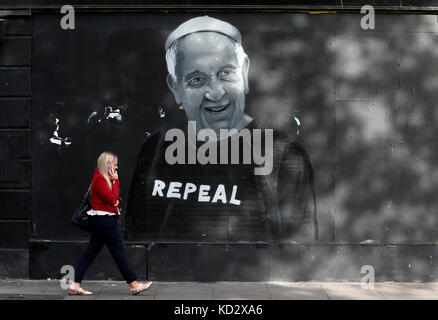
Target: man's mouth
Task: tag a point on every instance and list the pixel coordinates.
(217, 109)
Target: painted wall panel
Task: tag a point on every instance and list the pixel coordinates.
(11, 231)
(14, 263)
(15, 113)
(18, 26)
(14, 82)
(208, 262)
(15, 204)
(14, 159)
(15, 51)
(15, 173)
(46, 260)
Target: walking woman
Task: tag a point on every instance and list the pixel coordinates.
(104, 215)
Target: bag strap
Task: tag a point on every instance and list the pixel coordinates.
(88, 191)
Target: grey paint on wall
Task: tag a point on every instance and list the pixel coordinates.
(365, 101)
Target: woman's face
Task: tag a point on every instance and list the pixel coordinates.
(113, 165)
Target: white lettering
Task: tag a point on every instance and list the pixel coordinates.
(173, 191)
(158, 188)
(233, 199)
(190, 188)
(203, 193)
(220, 194)
(202, 311)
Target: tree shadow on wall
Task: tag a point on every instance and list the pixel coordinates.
(366, 104)
(368, 121)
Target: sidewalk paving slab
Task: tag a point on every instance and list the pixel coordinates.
(30, 297)
(23, 286)
(349, 291)
(241, 291)
(296, 291)
(407, 291)
(115, 290)
(432, 286)
(119, 290)
(184, 291)
(54, 288)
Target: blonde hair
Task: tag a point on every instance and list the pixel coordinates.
(102, 162)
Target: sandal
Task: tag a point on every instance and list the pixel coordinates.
(79, 292)
(141, 287)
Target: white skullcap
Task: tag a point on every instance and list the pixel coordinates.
(204, 23)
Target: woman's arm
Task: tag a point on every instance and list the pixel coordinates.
(108, 195)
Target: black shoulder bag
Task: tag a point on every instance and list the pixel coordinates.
(80, 217)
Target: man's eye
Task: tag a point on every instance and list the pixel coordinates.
(195, 81)
(226, 74)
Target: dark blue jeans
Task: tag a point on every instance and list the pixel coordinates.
(105, 231)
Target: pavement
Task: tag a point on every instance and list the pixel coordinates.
(22, 289)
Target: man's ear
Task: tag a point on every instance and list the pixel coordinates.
(245, 68)
(171, 83)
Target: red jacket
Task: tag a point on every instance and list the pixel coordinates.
(102, 197)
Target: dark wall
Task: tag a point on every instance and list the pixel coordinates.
(15, 108)
(365, 100)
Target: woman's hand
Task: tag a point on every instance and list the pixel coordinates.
(117, 203)
(113, 174)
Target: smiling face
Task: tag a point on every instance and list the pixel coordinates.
(210, 83)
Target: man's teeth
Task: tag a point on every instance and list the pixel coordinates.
(217, 109)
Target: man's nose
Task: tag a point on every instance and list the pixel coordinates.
(214, 91)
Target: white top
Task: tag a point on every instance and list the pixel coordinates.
(101, 213)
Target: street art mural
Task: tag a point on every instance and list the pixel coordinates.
(300, 145)
(261, 189)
